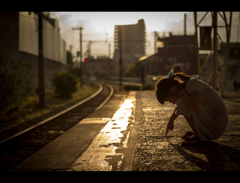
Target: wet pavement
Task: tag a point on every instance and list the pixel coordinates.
(102, 154)
(130, 136)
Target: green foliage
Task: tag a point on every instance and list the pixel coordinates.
(64, 84)
(76, 71)
(133, 70)
(129, 71)
(131, 87)
(15, 87)
(148, 87)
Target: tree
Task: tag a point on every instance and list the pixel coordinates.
(64, 84)
(133, 70)
(41, 80)
(15, 86)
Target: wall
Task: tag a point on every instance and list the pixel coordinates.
(174, 56)
(19, 38)
(9, 37)
(51, 67)
(55, 56)
(53, 44)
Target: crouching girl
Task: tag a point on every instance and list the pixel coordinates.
(200, 105)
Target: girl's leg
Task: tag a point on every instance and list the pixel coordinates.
(194, 139)
(190, 121)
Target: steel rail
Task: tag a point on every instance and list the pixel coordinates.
(109, 96)
(60, 113)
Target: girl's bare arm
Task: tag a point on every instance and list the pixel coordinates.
(171, 120)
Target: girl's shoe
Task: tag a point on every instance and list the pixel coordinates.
(187, 135)
(193, 141)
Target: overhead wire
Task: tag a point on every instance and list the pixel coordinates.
(180, 25)
(189, 23)
(103, 46)
(175, 27)
(60, 17)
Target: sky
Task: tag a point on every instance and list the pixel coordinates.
(100, 26)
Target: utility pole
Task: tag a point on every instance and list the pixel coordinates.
(228, 34)
(41, 79)
(215, 64)
(120, 56)
(89, 49)
(155, 48)
(197, 47)
(80, 35)
(185, 37)
(109, 53)
(109, 50)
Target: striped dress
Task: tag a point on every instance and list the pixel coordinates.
(211, 119)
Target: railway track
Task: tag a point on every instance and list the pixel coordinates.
(20, 146)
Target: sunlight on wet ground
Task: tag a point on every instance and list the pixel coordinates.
(101, 154)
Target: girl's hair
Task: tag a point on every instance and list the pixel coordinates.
(164, 85)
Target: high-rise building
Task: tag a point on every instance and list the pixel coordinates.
(133, 38)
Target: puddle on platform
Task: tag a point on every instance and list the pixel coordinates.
(101, 154)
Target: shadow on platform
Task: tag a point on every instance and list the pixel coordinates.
(219, 157)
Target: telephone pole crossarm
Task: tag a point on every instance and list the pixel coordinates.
(80, 35)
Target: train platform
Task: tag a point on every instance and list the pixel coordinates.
(128, 134)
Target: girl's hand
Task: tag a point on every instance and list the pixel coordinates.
(170, 125)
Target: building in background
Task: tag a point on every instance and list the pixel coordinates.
(19, 38)
(133, 42)
(101, 68)
(171, 54)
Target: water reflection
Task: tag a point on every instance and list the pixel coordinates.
(101, 154)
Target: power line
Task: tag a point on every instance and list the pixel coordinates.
(181, 26)
(63, 22)
(175, 27)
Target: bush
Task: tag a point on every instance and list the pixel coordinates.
(148, 87)
(131, 87)
(75, 71)
(64, 84)
(15, 86)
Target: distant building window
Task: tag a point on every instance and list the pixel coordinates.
(160, 44)
(172, 60)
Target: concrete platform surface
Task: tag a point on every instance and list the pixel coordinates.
(128, 134)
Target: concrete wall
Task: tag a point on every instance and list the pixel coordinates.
(51, 67)
(53, 44)
(19, 38)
